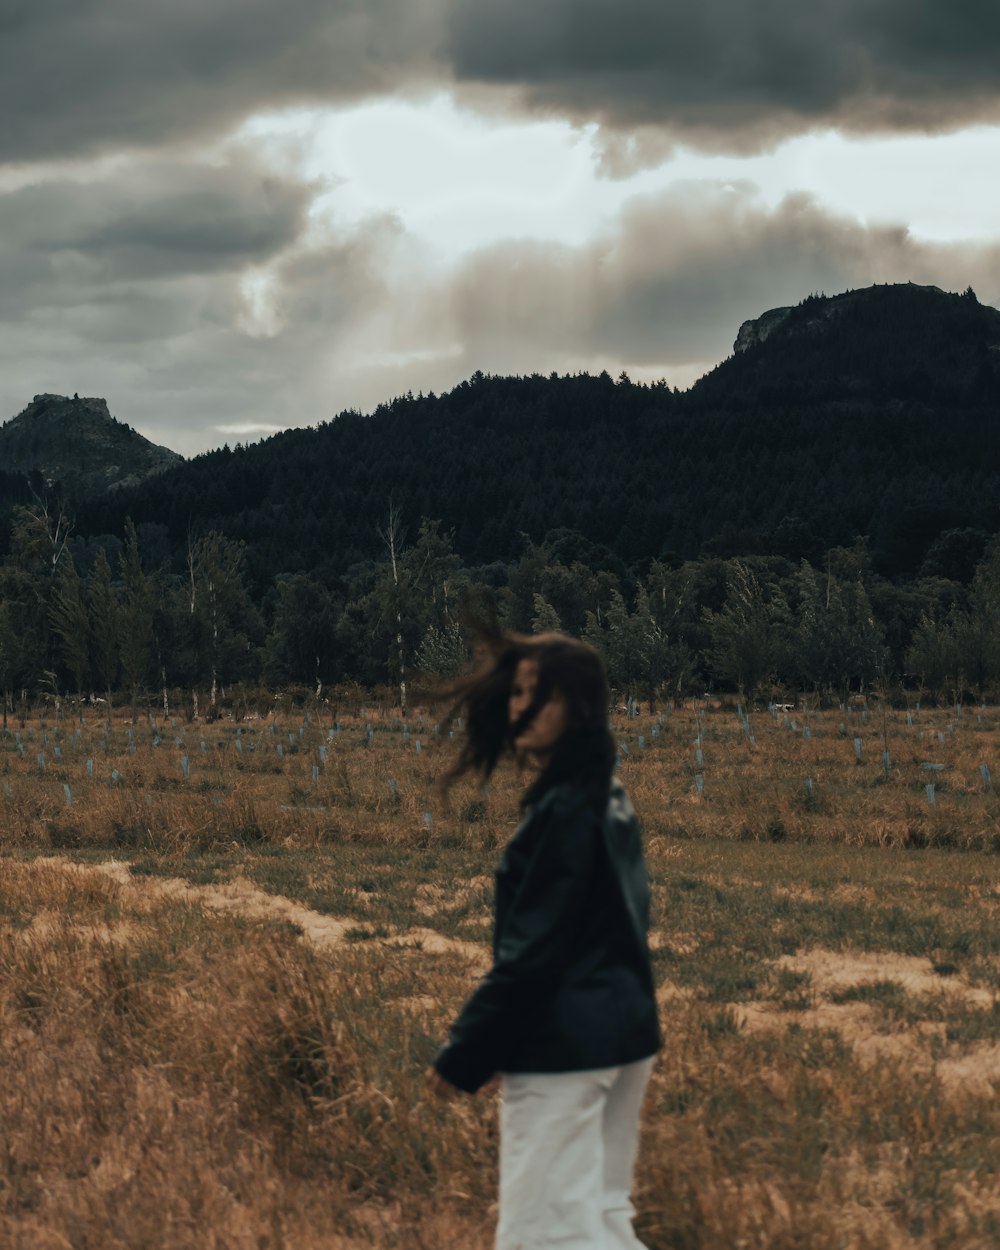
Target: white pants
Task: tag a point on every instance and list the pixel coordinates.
(568, 1142)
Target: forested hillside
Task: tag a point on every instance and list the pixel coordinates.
(871, 414)
(820, 510)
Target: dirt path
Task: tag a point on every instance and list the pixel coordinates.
(244, 898)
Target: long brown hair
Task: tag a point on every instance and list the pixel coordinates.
(584, 755)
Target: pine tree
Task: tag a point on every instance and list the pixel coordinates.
(136, 619)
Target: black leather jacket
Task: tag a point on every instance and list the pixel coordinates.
(571, 986)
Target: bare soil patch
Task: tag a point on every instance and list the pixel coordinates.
(242, 897)
(836, 970)
(858, 1023)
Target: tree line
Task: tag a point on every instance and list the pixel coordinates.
(124, 620)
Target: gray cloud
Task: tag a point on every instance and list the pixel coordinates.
(670, 285)
(67, 241)
(82, 76)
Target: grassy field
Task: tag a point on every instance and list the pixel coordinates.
(227, 953)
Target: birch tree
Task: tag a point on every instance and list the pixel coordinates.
(70, 623)
(220, 608)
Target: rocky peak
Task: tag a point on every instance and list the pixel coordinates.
(77, 442)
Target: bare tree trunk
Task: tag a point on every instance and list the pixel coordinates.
(190, 564)
(215, 646)
(193, 601)
(392, 538)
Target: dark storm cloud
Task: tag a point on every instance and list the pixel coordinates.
(62, 240)
(727, 73)
(678, 274)
(81, 76)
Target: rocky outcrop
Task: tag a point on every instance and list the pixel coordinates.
(901, 342)
(759, 329)
(79, 444)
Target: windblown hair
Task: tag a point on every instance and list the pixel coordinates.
(584, 755)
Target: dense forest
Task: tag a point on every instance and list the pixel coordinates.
(821, 511)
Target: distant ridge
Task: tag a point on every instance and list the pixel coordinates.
(77, 443)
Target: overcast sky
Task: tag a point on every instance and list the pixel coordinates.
(231, 216)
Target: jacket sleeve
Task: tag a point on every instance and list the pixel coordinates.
(532, 949)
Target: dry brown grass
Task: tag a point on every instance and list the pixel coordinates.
(175, 1076)
(218, 993)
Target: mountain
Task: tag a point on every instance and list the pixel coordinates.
(882, 343)
(79, 444)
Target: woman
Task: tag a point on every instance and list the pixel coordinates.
(566, 1017)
